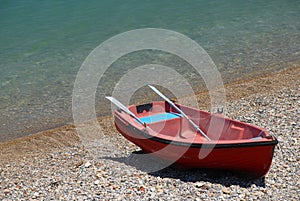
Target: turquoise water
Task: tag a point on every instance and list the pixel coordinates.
(43, 43)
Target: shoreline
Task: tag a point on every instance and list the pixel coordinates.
(66, 135)
(45, 124)
(264, 84)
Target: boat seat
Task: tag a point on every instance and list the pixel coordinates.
(159, 117)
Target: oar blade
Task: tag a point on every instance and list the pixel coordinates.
(122, 107)
(180, 111)
(118, 104)
(160, 94)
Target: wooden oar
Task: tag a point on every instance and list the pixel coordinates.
(180, 111)
(125, 109)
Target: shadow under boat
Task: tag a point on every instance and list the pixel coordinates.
(160, 168)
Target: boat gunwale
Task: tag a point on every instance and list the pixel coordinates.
(209, 144)
(147, 136)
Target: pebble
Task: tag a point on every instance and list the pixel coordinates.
(226, 191)
(6, 191)
(199, 184)
(258, 193)
(87, 164)
(36, 194)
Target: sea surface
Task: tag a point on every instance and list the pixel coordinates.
(44, 43)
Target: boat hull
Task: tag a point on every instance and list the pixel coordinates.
(253, 158)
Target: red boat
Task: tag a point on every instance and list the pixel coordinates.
(160, 129)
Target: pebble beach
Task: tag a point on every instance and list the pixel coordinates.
(55, 165)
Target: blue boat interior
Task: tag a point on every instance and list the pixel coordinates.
(160, 117)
